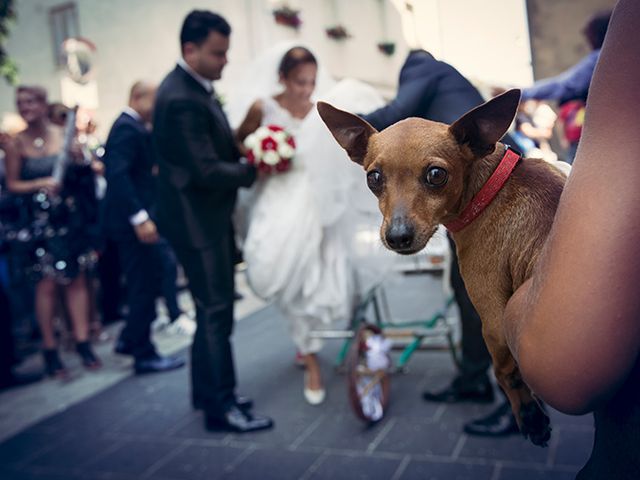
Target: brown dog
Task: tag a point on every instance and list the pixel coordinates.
(426, 173)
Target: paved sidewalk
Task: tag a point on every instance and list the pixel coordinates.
(21, 408)
(144, 427)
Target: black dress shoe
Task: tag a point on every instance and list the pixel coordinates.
(498, 423)
(157, 364)
(482, 393)
(53, 366)
(237, 420)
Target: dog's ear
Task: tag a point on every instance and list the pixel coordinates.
(351, 131)
(486, 124)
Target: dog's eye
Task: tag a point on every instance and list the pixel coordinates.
(436, 177)
(374, 181)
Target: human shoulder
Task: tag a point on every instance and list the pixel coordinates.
(175, 87)
(126, 126)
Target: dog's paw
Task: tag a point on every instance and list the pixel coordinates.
(535, 424)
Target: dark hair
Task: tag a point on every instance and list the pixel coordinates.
(295, 57)
(199, 23)
(39, 92)
(596, 28)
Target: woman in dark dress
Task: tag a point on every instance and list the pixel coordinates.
(60, 249)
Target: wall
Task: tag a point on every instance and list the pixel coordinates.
(556, 39)
(139, 39)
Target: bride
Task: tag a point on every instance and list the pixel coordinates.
(305, 243)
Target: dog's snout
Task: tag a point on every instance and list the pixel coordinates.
(400, 234)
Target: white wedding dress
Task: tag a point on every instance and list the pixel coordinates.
(312, 242)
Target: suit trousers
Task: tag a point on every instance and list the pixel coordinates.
(169, 278)
(109, 271)
(475, 356)
(210, 273)
(139, 262)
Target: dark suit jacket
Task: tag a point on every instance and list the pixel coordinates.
(131, 186)
(429, 89)
(199, 164)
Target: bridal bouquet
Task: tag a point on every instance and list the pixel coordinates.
(270, 149)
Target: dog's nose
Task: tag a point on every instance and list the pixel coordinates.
(400, 235)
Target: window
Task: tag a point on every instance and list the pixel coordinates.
(64, 24)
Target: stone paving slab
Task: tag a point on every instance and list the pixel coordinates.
(144, 427)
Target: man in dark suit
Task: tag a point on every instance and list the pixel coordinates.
(200, 173)
(434, 90)
(128, 211)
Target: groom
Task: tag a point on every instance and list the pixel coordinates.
(200, 173)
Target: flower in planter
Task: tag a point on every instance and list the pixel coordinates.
(388, 48)
(337, 32)
(287, 16)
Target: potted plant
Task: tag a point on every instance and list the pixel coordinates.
(388, 48)
(337, 32)
(287, 16)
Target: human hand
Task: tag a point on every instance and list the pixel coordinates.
(77, 151)
(49, 185)
(98, 167)
(5, 139)
(147, 232)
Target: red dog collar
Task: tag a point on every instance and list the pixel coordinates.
(487, 193)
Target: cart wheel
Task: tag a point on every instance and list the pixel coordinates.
(368, 390)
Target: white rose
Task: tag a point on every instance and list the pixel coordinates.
(263, 132)
(251, 141)
(285, 150)
(279, 137)
(270, 157)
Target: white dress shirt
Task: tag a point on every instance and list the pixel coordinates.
(206, 84)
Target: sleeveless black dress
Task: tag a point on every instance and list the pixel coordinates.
(55, 236)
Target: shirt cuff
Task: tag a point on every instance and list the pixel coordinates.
(140, 217)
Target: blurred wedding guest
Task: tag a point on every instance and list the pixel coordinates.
(10, 125)
(58, 113)
(534, 129)
(20, 295)
(571, 87)
(62, 259)
(128, 220)
(8, 378)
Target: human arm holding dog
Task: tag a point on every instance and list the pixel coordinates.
(574, 326)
